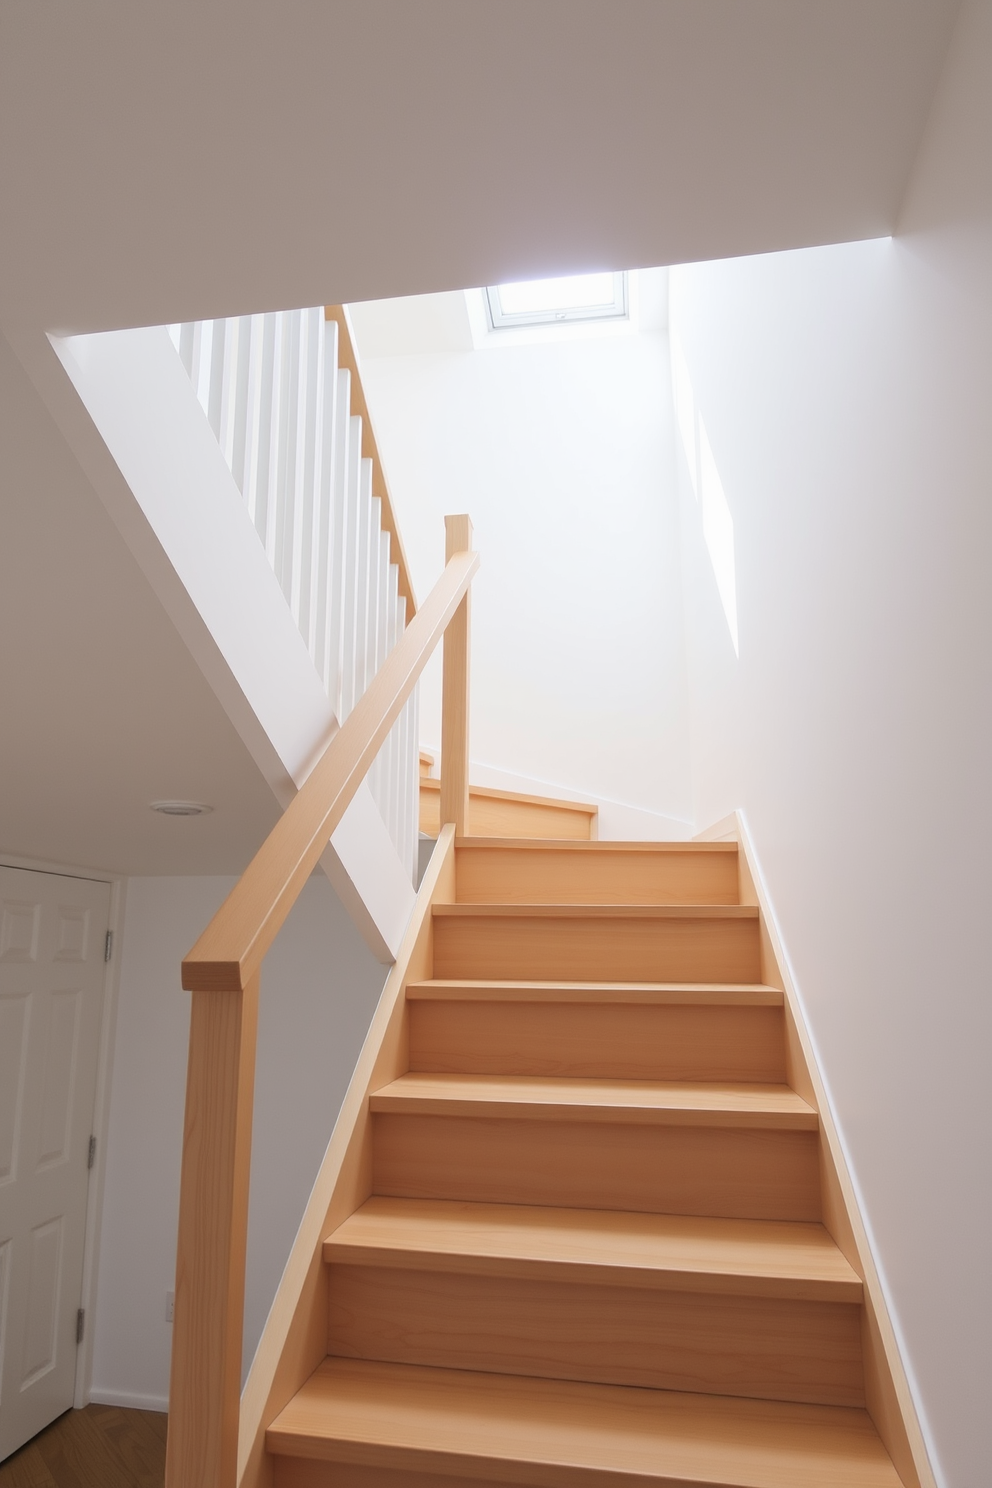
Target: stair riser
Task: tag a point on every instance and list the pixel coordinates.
(620, 1041)
(767, 1348)
(520, 876)
(549, 949)
(720, 1171)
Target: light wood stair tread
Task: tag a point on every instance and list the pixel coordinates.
(597, 911)
(551, 1098)
(559, 1434)
(714, 994)
(603, 1247)
(500, 844)
(525, 798)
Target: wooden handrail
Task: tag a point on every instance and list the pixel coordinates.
(348, 361)
(223, 973)
(231, 949)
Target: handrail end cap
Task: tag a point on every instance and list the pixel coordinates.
(212, 976)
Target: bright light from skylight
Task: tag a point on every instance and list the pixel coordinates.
(707, 487)
(579, 293)
(553, 301)
(685, 410)
(718, 530)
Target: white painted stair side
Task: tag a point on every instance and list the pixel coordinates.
(160, 472)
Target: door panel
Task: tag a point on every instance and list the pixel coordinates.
(20, 924)
(40, 1328)
(52, 932)
(60, 1077)
(13, 1038)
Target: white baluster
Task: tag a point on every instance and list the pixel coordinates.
(237, 409)
(313, 411)
(188, 332)
(212, 375)
(198, 348)
(392, 805)
(409, 814)
(352, 559)
(224, 384)
(264, 426)
(336, 580)
(323, 516)
(384, 641)
(372, 626)
(364, 576)
(286, 452)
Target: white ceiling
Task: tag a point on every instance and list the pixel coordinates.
(164, 162)
(103, 708)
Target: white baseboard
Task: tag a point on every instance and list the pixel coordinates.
(128, 1399)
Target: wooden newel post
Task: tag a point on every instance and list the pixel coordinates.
(454, 692)
(205, 1385)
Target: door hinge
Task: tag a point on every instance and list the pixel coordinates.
(91, 1153)
(108, 946)
(80, 1324)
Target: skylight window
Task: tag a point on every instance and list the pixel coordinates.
(536, 302)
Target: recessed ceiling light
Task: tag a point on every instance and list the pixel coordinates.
(180, 808)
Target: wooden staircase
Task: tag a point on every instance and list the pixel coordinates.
(587, 1244)
(499, 813)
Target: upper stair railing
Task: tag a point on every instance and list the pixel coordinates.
(223, 973)
(284, 398)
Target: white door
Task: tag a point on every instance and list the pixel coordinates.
(52, 945)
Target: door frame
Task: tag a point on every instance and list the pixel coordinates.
(101, 1102)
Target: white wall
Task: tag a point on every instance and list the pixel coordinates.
(320, 985)
(847, 395)
(562, 454)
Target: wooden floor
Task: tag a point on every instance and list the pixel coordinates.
(98, 1447)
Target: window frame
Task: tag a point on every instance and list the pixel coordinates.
(500, 320)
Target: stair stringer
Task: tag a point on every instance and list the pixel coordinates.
(294, 1339)
(888, 1397)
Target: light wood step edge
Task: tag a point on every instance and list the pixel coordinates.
(756, 1258)
(550, 844)
(705, 994)
(637, 1102)
(596, 911)
(488, 793)
(561, 1434)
